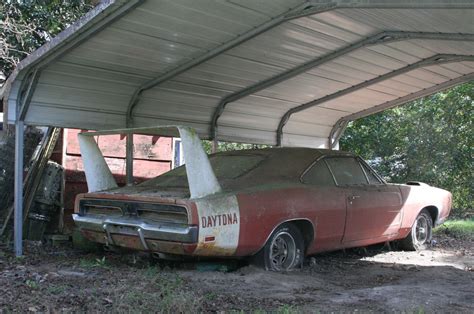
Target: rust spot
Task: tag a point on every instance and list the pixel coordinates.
(128, 241)
(166, 247)
(94, 236)
(134, 243)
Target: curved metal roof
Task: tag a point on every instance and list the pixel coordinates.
(287, 72)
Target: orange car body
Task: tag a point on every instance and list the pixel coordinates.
(334, 197)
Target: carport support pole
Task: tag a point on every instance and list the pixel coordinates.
(214, 146)
(18, 188)
(129, 159)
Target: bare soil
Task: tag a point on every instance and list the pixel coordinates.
(376, 279)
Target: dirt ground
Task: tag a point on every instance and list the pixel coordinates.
(440, 279)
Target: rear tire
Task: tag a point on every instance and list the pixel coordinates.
(420, 235)
(284, 250)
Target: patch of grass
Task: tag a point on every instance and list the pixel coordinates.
(210, 296)
(152, 271)
(32, 284)
(57, 289)
(418, 310)
(180, 302)
(175, 298)
(287, 309)
(164, 292)
(136, 298)
(92, 263)
(463, 229)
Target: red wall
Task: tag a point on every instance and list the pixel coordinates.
(152, 157)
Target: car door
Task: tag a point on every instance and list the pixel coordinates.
(373, 207)
(327, 202)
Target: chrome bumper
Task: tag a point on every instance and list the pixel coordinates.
(137, 227)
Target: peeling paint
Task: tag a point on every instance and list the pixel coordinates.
(226, 235)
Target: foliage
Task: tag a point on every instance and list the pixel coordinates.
(429, 140)
(32, 284)
(92, 263)
(461, 229)
(28, 24)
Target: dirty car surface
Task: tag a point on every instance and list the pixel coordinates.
(276, 204)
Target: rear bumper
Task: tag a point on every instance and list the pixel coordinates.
(144, 236)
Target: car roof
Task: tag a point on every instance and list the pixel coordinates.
(279, 164)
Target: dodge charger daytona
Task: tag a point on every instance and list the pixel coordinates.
(275, 205)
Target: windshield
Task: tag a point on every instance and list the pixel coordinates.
(224, 166)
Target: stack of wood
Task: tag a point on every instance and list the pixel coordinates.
(38, 149)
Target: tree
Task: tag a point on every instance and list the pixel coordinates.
(28, 24)
(429, 140)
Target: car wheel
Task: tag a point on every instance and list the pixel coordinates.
(420, 235)
(285, 249)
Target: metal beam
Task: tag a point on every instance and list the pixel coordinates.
(380, 38)
(26, 92)
(413, 96)
(298, 11)
(328, 5)
(436, 59)
(129, 159)
(18, 188)
(335, 135)
(384, 4)
(336, 132)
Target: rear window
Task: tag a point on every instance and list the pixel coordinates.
(224, 166)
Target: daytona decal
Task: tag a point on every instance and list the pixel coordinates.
(219, 219)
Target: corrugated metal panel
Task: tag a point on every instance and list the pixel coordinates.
(420, 20)
(91, 85)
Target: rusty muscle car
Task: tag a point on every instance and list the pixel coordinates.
(275, 205)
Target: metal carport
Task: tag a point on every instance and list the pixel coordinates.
(279, 72)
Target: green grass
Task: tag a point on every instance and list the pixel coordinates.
(287, 309)
(32, 284)
(457, 228)
(57, 289)
(166, 293)
(92, 263)
(152, 271)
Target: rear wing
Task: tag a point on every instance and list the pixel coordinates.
(201, 178)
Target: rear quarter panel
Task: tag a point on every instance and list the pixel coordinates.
(416, 198)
